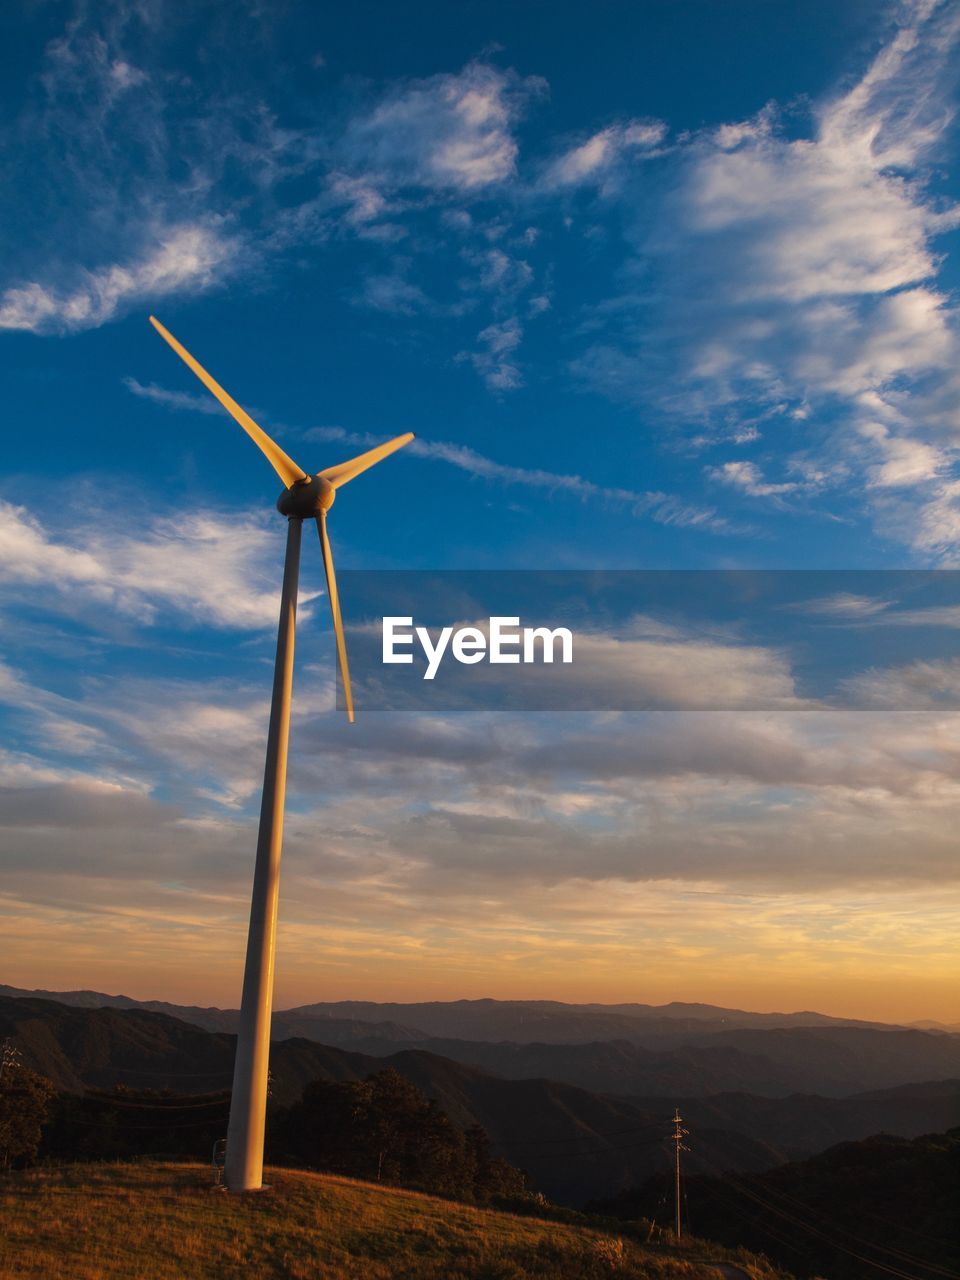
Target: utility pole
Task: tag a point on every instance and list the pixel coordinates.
(677, 1137)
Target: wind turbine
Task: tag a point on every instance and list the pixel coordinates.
(304, 498)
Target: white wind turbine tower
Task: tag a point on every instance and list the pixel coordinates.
(304, 498)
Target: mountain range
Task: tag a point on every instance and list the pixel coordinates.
(676, 1049)
(576, 1142)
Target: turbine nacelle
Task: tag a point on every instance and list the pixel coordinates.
(307, 498)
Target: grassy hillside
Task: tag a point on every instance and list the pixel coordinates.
(165, 1222)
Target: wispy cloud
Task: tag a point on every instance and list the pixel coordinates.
(661, 507)
(115, 201)
(495, 360)
(794, 278)
(451, 133)
(598, 158)
(844, 605)
(163, 572)
(934, 685)
(172, 399)
(186, 259)
(748, 477)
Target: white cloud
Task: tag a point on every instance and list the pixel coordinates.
(748, 477)
(937, 526)
(646, 665)
(593, 160)
(452, 133)
(122, 168)
(796, 277)
(365, 204)
(185, 259)
(172, 399)
(496, 363)
(905, 462)
(844, 605)
(933, 684)
(55, 723)
(394, 294)
(199, 568)
(499, 273)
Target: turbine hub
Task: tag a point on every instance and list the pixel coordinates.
(306, 498)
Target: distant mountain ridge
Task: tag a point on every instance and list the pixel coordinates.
(338, 1030)
(592, 1048)
(523, 1021)
(553, 1020)
(575, 1143)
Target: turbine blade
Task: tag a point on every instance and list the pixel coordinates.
(347, 470)
(335, 609)
(285, 467)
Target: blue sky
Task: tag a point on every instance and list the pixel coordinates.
(657, 285)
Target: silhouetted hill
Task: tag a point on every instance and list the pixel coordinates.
(335, 1030)
(523, 1021)
(652, 1056)
(566, 1138)
(838, 1060)
(884, 1205)
(552, 1022)
(833, 1061)
(572, 1142)
(619, 1066)
(600, 1047)
(78, 1048)
(805, 1123)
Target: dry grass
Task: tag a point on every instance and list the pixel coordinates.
(165, 1222)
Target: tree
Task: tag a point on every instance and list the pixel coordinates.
(25, 1100)
(384, 1130)
(490, 1175)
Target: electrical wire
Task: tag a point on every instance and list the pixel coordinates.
(124, 1105)
(836, 1244)
(174, 1075)
(585, 1137)
(189, 1124)
(750, 1193)
(890, 1249)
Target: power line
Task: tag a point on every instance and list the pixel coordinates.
(749, 1191)
(814, 1231)
(146, 1128)
(123, 1105)
(737, 1208)
(174, 1075)
(888, 1249)
(652, 1126)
